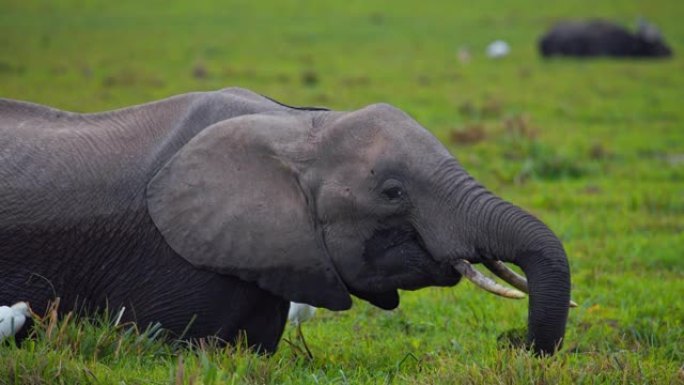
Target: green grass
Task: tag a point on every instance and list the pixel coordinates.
(595, 148)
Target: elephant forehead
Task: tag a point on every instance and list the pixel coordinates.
(402, 148)
(385, 142)
(366, 125)
(405, 140)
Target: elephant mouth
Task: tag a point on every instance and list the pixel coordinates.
(400, 242)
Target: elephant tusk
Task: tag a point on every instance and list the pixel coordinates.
(502, 271)
(482, 281)
(516, 280)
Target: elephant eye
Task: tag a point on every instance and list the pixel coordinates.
(393, 193)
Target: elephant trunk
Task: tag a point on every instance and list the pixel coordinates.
(499, 231)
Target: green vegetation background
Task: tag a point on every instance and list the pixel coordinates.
(595, 148)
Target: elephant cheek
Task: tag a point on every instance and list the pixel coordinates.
(347, 255)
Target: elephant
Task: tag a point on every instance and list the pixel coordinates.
(208, 212)
(602, 38)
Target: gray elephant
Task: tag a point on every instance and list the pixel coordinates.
(602, 38)
(209, 212)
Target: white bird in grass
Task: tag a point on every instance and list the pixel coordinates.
(12, 318)
(300, 312)
(498, 49)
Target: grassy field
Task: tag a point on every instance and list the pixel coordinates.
(595, 148)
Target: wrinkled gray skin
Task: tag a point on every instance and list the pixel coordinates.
(221, 207)
(602, 38)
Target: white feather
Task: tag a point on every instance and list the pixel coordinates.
(12, 318)
(300, 312)
(498, 49)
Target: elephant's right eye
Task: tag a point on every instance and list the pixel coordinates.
(393, 193)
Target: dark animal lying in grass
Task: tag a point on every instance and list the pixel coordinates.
(602, 38)
(222, 207)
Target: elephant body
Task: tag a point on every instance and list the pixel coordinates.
(602, 38)
(74, 211)
(209, 212)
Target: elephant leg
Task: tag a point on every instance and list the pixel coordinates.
(264, 325)
(204, 304)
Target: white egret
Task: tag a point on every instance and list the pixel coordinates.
(300, 312)
(498, 49)
(12, 318)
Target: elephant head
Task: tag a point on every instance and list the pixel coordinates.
(316, 205)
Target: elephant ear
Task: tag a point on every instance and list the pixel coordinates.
(229, 202)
